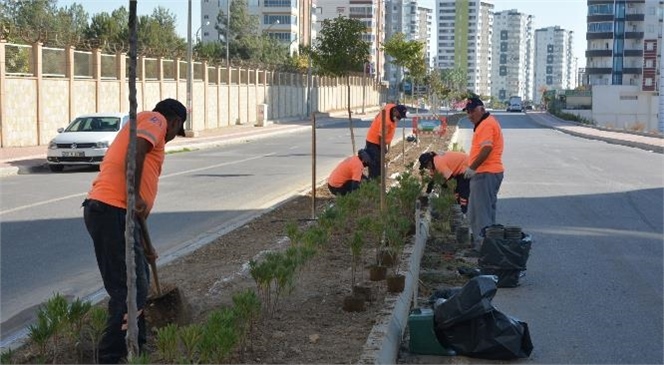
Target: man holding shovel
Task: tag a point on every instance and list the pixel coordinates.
(106, 207)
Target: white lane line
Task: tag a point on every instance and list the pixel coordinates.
(55, 200)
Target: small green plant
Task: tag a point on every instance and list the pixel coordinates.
(219, 336)
(167, 343)
(356, 245)
(7, 356)
(95, 326)
(247, 307)
(143, 358)
(40, 333)
(190, 338)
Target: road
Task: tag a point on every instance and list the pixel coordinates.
(45, 246)
(593, 289)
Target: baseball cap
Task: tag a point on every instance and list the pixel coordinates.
(425, 158)
(473, 103)
(402, 110)
(172, 106)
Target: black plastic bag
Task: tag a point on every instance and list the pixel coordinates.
(504, 258)
(493, 335)
(468, 323)
(473, 300)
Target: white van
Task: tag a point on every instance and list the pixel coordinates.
(515, 104)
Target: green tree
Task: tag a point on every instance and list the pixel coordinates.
(157, 35)
(408, 55)
(340, 50)
(109, 32)
(30, 21)
(71, 25)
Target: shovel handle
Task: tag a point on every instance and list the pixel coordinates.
(149, 251)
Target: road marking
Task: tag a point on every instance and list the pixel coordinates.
(55, 200)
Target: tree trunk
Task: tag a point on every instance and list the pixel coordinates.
(130, 263)
(350, 116)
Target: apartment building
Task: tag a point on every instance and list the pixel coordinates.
(372, 14)
(513, 56)
(414, 21)
(289, 21)
(464, 40)
(623, 40)
(555, 64)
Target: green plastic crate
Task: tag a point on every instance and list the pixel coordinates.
(423, 340)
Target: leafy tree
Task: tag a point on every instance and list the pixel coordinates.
(109, 32)
(339, 50)
(71, 24)
(408, 55)
(157, 35)
(30, 21)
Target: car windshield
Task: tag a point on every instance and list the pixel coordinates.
(94, 124)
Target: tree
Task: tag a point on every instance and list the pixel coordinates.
(31, 21)
(408, 55)
(71, 24)
(157, 35)
(339, 50)
(109, 31)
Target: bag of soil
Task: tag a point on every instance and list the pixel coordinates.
(505, 258)
(470, 325)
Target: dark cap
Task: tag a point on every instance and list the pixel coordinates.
(402, 110)
(172, 107)
(425, 158)
(364, 156)
(473, 103)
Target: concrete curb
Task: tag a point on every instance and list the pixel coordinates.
(384, 340)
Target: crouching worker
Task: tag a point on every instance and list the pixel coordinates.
(450, 165)
(348, 175)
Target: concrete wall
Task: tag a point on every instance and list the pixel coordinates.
(625, 107)
(33, 107)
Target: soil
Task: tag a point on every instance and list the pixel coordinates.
(309, 325)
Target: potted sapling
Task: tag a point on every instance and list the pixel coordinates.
(355, 301)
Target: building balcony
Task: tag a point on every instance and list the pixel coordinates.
(600, 35)
(632, 71)
(634, 17)
(633, 35)
(600, 18)
(599, 53)
(598, 70)
(633, 52)
(599, 2)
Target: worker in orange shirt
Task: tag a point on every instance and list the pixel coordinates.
(450, 164)
(348, 175)
(485, 169)
(394, 113)
(104, 213)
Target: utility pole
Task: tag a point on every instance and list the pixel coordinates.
(190, 76)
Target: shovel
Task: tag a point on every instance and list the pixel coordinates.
(166, 306)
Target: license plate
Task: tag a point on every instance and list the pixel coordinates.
(73, 154)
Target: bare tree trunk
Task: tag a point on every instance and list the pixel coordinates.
(130, 263)
(350, 116)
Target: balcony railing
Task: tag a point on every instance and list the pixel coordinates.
(600, 18)
(633, 35)
(599, 53)
(598, 70)
(633, 53)
(632, 71)
(602, 35)
(634, 17)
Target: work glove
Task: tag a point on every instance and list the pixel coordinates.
(469, 173)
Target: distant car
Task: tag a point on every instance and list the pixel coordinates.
(85, 140)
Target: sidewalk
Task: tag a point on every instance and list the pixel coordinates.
(25, 160)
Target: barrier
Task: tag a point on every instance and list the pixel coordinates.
(430, 125)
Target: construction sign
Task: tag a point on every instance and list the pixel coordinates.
(430, 125)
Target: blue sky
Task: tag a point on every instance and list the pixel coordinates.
(568, 14)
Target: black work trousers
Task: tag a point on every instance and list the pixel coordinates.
(374, 152)
(346, 188)
(106, 226)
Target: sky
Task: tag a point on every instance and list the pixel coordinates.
(568, 14)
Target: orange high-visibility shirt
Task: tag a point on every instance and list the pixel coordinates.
(374, 133)
(488, 133)
(349, 169)
(451, 163)
(110, 185)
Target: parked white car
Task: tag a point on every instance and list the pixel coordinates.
(85, 140)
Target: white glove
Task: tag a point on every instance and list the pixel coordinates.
(469, 173)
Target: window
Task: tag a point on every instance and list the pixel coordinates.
(503, 35)
(549, 80)
(648, 81)
(549, 58)
(503, 71)
(549, 48)
(503, 59)
(600, 27)
(549, 70)
(503, 46)
(280, 3)
(649, 63)
(650, 46)
(600, 9)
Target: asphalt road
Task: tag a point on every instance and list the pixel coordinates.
(46, 248)
(593, 290)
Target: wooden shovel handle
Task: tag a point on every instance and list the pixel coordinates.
(150, 253)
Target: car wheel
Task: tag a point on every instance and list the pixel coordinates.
(56, 168)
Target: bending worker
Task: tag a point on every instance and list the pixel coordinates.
(394, 113)
(451, 165)
(348, 175)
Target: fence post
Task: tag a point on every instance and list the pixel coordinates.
(96, 74)
(38, 70)
(160, 76)
(206, 80)
(140, 73)
(2, 90)
(121, 71)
